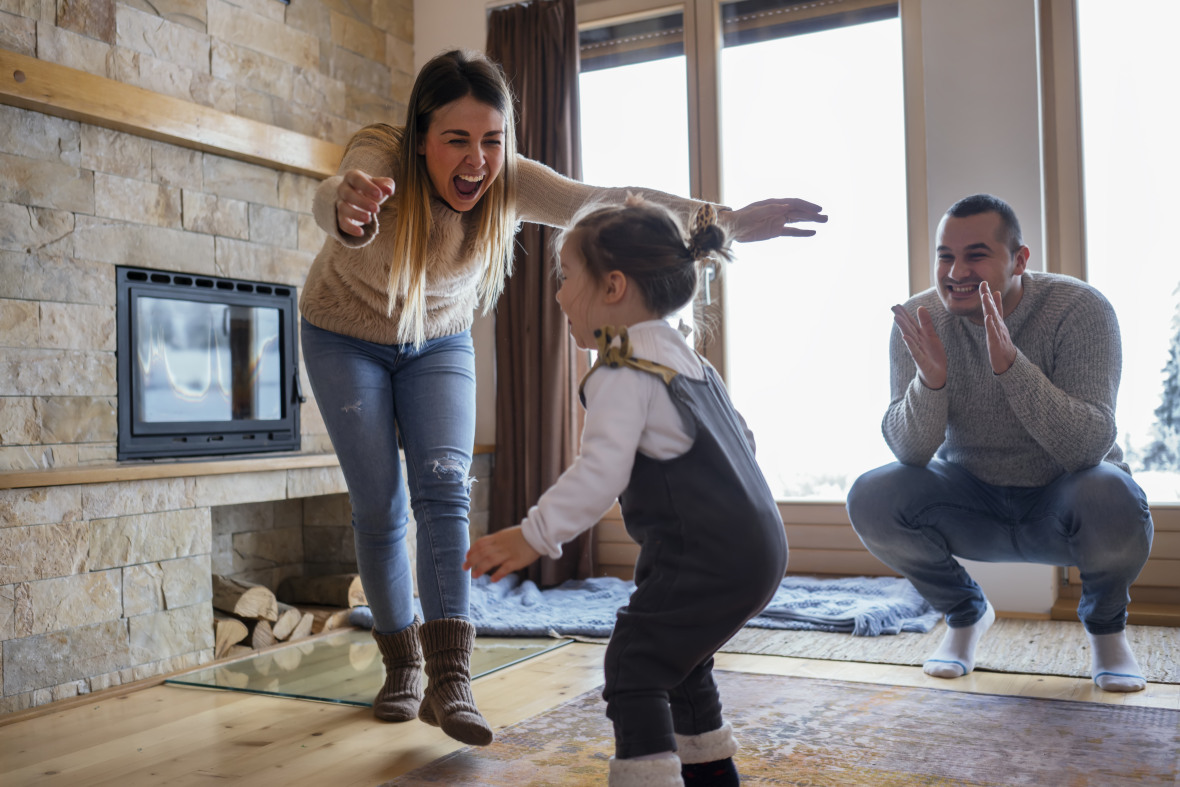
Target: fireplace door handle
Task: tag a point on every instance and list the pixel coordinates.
(297, 394)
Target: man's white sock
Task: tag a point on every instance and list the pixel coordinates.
(1113, 664)
(955, 657)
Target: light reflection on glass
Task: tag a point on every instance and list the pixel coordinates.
(199, 361)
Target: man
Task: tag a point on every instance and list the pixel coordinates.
(1003, 385)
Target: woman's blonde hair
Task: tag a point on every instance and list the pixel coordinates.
(449, 77)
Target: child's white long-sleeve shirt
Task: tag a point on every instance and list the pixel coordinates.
(627, 411)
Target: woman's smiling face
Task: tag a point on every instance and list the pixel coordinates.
(464, 151)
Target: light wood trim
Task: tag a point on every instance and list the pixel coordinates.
(57, 90)
(803, 512)
(598, 13)
(1139, 613)
(1061, 131)
(102, 474)
(702, 46)
(1159, 573)
(917, 197)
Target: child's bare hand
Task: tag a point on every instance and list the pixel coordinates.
(502, 553)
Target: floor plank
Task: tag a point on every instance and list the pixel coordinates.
(172, 735)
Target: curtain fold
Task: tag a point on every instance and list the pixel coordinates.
(538, 418)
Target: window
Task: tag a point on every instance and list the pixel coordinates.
(636, 137)
(1131, 165)
(812, 379)
(809, 100)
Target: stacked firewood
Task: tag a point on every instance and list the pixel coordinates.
(249, 617)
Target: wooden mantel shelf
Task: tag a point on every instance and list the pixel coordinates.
(44, 86)
(141, 471)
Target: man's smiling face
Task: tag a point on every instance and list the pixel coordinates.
(971, 250)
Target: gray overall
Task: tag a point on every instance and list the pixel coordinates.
(712, 553)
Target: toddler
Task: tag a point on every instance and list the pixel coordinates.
(661, 436)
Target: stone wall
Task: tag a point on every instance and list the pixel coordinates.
(319, 67)
(266, 542)
(105, 583)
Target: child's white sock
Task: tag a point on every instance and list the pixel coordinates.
(1113, 664)
(955, 657)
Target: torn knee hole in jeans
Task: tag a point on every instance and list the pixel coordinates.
(451, 469)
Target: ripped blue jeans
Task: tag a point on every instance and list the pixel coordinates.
(368, 394)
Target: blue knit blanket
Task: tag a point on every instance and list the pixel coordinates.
(861, 606)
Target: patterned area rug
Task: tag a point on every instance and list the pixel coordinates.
(815, 733)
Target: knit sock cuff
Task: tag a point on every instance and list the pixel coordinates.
(401, 646)
(447, 634)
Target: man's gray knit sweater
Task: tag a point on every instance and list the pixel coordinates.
(1051, 412)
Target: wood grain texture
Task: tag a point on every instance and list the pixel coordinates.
(47, 87)
(178, 735)
(140, 471)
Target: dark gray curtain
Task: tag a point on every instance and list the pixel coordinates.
(538, 418)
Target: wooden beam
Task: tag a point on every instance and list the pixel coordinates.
(46, 87)
(102, 474)
(131, 471)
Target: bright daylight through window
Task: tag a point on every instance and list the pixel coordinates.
(807, 370)
(807, 321)
(1131, 166)
(636, 137)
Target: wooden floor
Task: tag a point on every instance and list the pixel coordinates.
(169, 735)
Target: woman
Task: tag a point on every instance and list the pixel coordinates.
(420, 223)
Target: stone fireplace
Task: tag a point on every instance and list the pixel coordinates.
(105, 565)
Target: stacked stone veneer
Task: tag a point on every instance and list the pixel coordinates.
(319, 67)
(266, 542)
(105, 583)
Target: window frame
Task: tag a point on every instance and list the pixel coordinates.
(820, 532)
(822, 541)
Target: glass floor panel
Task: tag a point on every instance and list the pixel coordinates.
(345, 667)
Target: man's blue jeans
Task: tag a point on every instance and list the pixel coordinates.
(916, 520)
(368, 394)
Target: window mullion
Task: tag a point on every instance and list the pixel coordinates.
(1065, 227)
(702, 40)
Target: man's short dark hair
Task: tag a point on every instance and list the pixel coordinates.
(986, 203)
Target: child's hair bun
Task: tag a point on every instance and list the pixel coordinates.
(706, 236)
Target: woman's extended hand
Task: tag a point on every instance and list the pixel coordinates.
(502, 552)
(768, 218)
(358, 197)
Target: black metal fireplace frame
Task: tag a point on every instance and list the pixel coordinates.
(139, 439)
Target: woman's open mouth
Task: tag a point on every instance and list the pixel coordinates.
(468, 185)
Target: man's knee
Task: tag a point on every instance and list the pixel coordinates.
(1112, 513)
(873, 498)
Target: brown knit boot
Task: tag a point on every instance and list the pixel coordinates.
(401, 695)
(448, 703)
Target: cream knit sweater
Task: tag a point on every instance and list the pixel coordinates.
(345, 291)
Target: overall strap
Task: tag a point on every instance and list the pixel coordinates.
(614, 350)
